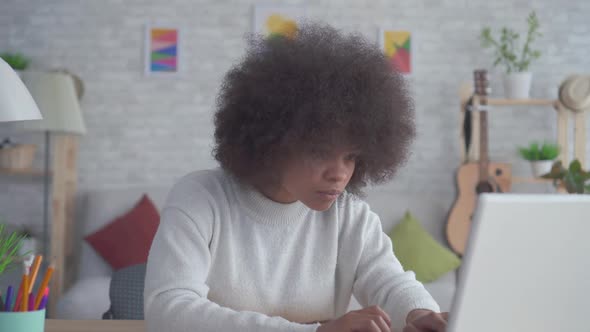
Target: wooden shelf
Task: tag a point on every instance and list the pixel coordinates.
(472, 153)
(520, 102)
(22, 172)
(560, 188)
(520, 179)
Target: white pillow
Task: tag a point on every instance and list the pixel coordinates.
(86, 299)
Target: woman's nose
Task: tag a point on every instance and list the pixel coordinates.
(338, 170)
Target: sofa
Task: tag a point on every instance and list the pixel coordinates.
(97, 208)
(94, 210)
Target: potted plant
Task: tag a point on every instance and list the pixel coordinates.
(517, 80)
(572, 178)
(9, 249)
(541, 157)
(17, 61)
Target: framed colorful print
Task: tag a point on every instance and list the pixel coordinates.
(269, 20)
(162, 50)
(397, 45)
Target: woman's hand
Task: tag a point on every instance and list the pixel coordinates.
(371, 319)
(420, 320)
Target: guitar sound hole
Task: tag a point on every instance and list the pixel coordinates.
(498, 172)
(484, 187)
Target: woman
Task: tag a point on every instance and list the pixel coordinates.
(277, 238)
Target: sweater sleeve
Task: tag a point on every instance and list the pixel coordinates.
(381, 279)
(175, 287)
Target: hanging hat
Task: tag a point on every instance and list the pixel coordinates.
(574, 93)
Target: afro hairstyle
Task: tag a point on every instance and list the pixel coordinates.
(317, 89)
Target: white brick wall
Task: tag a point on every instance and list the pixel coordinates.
(154, 130)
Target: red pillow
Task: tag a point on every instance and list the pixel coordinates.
(127, 240)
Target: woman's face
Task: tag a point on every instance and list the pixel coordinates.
(316, 179)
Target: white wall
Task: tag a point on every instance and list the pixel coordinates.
(154, 130)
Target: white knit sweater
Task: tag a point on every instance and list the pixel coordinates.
(226, 258)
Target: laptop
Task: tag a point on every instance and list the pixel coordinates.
(526, 266)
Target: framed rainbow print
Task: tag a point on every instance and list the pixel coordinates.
(162, 50)
(397, 45)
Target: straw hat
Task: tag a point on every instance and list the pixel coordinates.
(574, 93)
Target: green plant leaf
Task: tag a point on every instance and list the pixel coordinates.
(549, 151)
(16, 61)
(574, 177)
(557, 171)
(525, 153)
(573, 185)
(9, 246)
(505, 48)
(575, 166)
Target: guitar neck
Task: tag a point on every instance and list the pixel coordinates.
(481, 90)
(483, 132)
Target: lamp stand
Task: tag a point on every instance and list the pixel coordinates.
(46, 198)
(64, 177)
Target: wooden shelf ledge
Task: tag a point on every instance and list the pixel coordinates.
(520, 102)
(521, 179)
(23, 172)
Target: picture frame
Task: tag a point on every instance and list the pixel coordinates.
(277, 19)
(162, 50)
(398, 46)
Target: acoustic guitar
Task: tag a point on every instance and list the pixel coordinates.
(476, 177)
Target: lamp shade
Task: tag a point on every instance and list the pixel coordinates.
(55, 93)
(16, 103)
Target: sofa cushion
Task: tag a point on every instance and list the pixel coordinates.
(430, 208)
(126, 292)
(99, 207)
(86, 299)
(127, 240)
(419, 252)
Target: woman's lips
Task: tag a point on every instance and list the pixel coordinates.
(329, 194)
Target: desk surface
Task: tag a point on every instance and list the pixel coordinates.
(59, 325)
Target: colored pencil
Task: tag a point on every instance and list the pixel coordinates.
(25, 296)
(1, 303)
(8, 303)
(19, 295)
(34, 272)
(43, 303)
(44, 284)
(31, 302)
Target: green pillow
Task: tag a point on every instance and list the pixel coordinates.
(417, 251)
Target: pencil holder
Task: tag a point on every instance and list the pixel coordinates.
(26, 321)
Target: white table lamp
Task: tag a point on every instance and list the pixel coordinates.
(16, 103)
(55, 93)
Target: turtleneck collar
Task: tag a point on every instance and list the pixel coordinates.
(264, 210)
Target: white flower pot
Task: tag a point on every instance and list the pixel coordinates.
(541, 167)
(517, 85)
